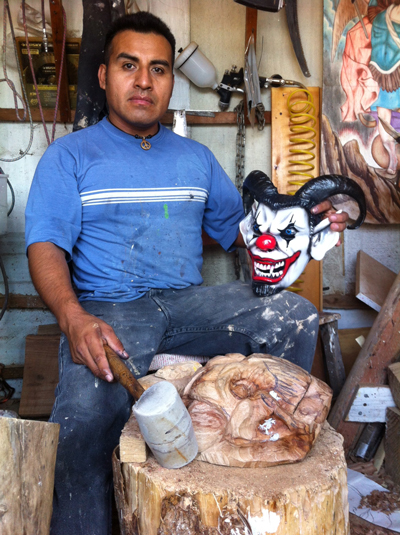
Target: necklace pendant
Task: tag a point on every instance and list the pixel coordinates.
(146, 145)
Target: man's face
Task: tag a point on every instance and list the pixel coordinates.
(278, 243)
(138, 81)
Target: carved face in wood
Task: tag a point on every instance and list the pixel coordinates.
(255, 411)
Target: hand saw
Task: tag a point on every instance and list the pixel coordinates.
(292, 20)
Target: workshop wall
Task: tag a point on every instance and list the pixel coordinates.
(218, 26)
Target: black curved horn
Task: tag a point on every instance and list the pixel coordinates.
(319, 189)
(257, 185)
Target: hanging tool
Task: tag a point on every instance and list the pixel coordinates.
(162, 417)
(252, 82)
(292, 20)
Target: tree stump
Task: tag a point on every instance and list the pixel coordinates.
(309, 497)
(27, 461)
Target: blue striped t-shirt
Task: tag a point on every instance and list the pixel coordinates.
(130, 220)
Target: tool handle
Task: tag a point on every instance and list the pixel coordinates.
(122, 374)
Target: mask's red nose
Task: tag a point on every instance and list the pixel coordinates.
(266, 242)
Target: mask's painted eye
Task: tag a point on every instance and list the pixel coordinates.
(256, 229)
(288, 233)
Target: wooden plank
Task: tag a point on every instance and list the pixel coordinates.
(392, 444)
(132, 447)
(219, 117)
(370, 404)
(394, 381)
(373, 281)
(280, 137)
(51, 329)
(349, 347)
(13, 372)
(345, 302)
(311, 287)
(40, 376)
(381, 348)
(23, 301)
(251, 24)
(57, 26)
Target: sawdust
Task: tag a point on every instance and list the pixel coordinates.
(379, 500)
(359, 526)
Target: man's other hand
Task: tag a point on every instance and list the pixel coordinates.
(338, 221)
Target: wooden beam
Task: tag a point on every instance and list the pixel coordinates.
(381, 348)
(392, 445)
(23, 302)
(57, 26)
(370, 404)
(218, 117)
(394, 381)
(13, 372)
(373, 281)
(251, 25)
(345, 302)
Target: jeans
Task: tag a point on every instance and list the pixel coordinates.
(203, 321)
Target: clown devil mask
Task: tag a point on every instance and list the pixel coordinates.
(280, 232)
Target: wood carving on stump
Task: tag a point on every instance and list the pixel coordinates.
(255, 411)
(309, 497)
(252, 417)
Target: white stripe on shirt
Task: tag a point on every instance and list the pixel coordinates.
(134, 195)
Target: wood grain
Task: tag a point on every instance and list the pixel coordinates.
(40, 376)
(27, 460)
(349, 346)
(255, 411)
(57, 26)
(394, 381)
(373, 281)
(218, 118)
(392, 444)
(201, 498)
(381, 348)
(122, 374)
(311, 285)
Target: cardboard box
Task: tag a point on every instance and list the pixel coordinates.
(45, 70)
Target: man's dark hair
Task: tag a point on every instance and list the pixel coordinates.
(142, 22)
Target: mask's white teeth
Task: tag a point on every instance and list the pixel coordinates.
(269, 270)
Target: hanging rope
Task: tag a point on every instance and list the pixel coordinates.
(24, 101)
(34, 77)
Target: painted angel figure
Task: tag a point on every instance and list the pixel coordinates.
(370, 74)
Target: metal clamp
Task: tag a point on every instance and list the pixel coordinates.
(277, 81)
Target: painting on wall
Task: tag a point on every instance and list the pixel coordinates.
(360, 127)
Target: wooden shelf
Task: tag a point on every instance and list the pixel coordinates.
(219, 118)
